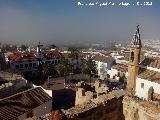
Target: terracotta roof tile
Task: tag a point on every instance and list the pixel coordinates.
(18, 104)
(149, 75)
(151, 62)
(52, 54)
(18, 56)
(120, 67)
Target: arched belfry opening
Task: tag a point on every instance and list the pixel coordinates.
(132, 56)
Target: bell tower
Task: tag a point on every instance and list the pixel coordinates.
(133, 65)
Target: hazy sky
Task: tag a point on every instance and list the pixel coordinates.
(63, 21)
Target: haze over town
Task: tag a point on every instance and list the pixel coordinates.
(79, 60)
(63, 22)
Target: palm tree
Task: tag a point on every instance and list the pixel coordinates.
(73, 55)
(88, 66)
(63, 68)
(44, 70)
(47, 70)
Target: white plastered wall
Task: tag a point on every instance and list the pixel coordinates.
(143, 92)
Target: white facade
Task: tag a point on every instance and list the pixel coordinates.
(49, 92)
(112, 72)
(76, 63)
(103, 71)
(31, 65)
(121, 61)
(150, 68)
(119, 58)
(101, 67)
(24, 65)
(143, 86)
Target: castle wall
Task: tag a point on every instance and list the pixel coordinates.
(85, 92)
(82, 96)
(105, 107)
(137, 109)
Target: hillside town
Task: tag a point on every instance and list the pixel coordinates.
(55, 83)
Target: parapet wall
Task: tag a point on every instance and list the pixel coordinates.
(104, 107)
(10, 83)
(86, 92)
(137, 109)
(7, 76)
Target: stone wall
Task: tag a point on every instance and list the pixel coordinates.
(86, 92)
(10, 83)
(137, 109)
(104, 107)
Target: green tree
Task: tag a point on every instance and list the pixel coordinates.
(73, 55)
(88, 66)
(44, 71)
(52, 46)
(23, 47)
(64, 68)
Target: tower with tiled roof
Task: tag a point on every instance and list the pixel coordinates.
(134, 60)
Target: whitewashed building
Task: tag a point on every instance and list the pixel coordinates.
(148, 79)
(27, 62)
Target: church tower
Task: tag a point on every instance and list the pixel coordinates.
(134, 60)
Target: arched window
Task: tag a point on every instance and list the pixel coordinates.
(132, 56)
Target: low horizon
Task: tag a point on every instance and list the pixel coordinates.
(63, 23)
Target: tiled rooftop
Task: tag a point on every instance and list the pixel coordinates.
(120, 67)
(149, 75)
(52, 54)
(151, 62)
(18, 56)
(101, 58)
(18, 104)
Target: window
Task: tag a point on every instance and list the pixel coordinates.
(55, 61)
(142, 85)
(52, 62)
(132, 56)
(26, 65)
(21, 65)
(30, 64)
(17, 66)
(34, 64)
